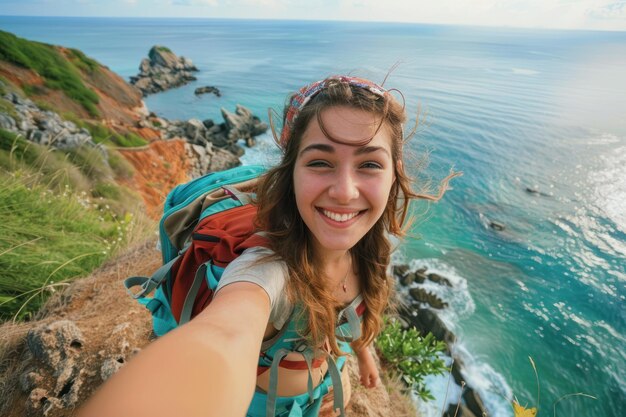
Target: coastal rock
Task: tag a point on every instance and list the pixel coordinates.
(496, 225)
(407, 279)
(208, 90)
(162, 70)
(439, 279)
(55, 343)
(459, 411)
(243, 125)
(56, 382)
(400, 270)
(423, 296)
(535, 191)
(44, 127)
(207, 158)
(427, 321)
(474, 402)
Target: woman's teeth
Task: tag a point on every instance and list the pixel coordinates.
(339, 217)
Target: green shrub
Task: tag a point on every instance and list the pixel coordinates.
(411, 355)
(45, 59)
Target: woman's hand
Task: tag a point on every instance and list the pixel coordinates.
(368, 370)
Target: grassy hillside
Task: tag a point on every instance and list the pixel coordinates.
(62, 214)
(58, 72)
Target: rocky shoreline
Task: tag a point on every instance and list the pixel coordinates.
(419, 311)
(210, 146)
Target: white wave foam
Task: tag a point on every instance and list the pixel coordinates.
(445, 391)
(490, 385)
(265, 152)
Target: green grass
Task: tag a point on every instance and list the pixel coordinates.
(61, 216)
(45, 239)
(82, 170)
(104, 135)
(163, 49)
(39, 164)
(47, 61)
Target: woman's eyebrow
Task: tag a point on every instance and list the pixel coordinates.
(331, 149)
(319, 147)
(371, 149)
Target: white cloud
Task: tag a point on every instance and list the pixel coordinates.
(593, 14)
(263, 3)
(213, 3)
(611, 10)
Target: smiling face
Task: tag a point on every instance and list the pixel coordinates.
(341, 189)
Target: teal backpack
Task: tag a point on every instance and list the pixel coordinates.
(206, 224)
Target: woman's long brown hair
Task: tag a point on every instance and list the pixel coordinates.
(290, 239)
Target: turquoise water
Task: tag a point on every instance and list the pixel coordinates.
(510, 108)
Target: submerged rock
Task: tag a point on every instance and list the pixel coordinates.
(206, 90)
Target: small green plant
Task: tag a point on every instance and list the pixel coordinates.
(412, 356)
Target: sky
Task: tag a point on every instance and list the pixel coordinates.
(557, 14)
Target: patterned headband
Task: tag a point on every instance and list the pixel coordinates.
(306, 93)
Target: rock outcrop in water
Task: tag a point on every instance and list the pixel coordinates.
(239, 125)
(163, 70)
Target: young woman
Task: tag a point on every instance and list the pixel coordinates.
(327, 210)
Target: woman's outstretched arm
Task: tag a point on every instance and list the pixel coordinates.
(205, 368)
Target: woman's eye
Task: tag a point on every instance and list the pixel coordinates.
(318, 164)
(371, 165)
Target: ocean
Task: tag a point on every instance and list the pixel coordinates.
(536, 120)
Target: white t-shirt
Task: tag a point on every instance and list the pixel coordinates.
(269, 275)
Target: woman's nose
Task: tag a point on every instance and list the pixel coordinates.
(344, 187)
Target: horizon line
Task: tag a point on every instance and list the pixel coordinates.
(329, 20)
